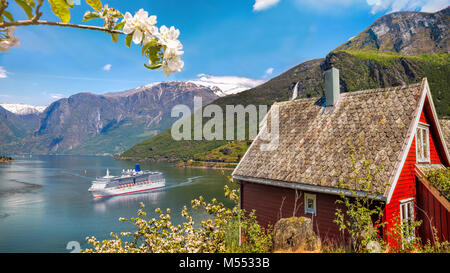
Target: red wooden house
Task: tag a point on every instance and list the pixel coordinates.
(397, 128)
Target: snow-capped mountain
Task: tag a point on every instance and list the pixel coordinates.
(23, 109)
(226, 85)
(87, 123)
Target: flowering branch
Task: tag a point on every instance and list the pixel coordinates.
(160, 45)
(41, 22)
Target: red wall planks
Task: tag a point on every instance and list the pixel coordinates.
(267, 201)
(406, 184)
(433, 214)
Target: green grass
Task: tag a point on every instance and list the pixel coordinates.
(389, 57)
(229, 153)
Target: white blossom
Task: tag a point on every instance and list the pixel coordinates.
(169, 37)
(9, 40)
(172, 62)
(141, 24)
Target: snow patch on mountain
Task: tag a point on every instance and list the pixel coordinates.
(23, 109)
(226, 85)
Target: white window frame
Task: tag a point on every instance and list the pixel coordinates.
(407, 207)
(420, 151)
(313, 210)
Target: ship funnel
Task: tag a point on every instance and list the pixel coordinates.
(137, 168)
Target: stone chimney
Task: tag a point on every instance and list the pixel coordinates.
(332, 86)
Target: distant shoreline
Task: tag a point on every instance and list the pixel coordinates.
(204, 167)
(207, 165)
(188, 164)
(4, 159)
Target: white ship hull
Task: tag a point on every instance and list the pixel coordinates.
(105, 192)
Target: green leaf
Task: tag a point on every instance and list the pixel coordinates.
(128, 40)
(89, 15)
(27, 7)
(152, 43)
(115, 13)
(61, 9)
(8, 15)
(95, 4)
(114, 37)
(153, 66)
(119, 25)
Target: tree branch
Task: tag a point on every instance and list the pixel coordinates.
(35, 21)
(38, 13)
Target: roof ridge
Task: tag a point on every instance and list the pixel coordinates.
(298, 100)
(354, 93)
(379, 90)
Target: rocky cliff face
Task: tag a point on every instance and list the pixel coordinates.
(407, 33)
(87, 123)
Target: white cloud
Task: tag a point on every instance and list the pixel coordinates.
(3, 73)
(407, 5)
(107, 67)
(376, 5)
(56, 96)
(227, 84)
(264, 4)
(269, 71)
(433, 6)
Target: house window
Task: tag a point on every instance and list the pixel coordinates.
(310, 203)
(407, 218)
(422, 144)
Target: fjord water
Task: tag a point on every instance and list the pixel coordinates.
(45, 203)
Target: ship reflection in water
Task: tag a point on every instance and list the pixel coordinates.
(149, 198)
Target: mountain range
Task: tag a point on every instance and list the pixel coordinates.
(397, 49)
(87, 123)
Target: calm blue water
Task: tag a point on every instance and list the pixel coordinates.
(45, 203)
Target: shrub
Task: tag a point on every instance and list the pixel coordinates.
(361, 216)
(440, 179)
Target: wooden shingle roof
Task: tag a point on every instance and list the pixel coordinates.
(315, 141)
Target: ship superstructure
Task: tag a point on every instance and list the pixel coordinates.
(131, 181)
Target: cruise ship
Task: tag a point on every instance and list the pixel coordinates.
(131, 181)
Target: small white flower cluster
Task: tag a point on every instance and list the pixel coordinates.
(144, 30)
(7, 40)
(110, 16)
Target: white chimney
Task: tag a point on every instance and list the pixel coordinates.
(332, 86)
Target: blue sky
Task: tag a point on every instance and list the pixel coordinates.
(240, 38)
